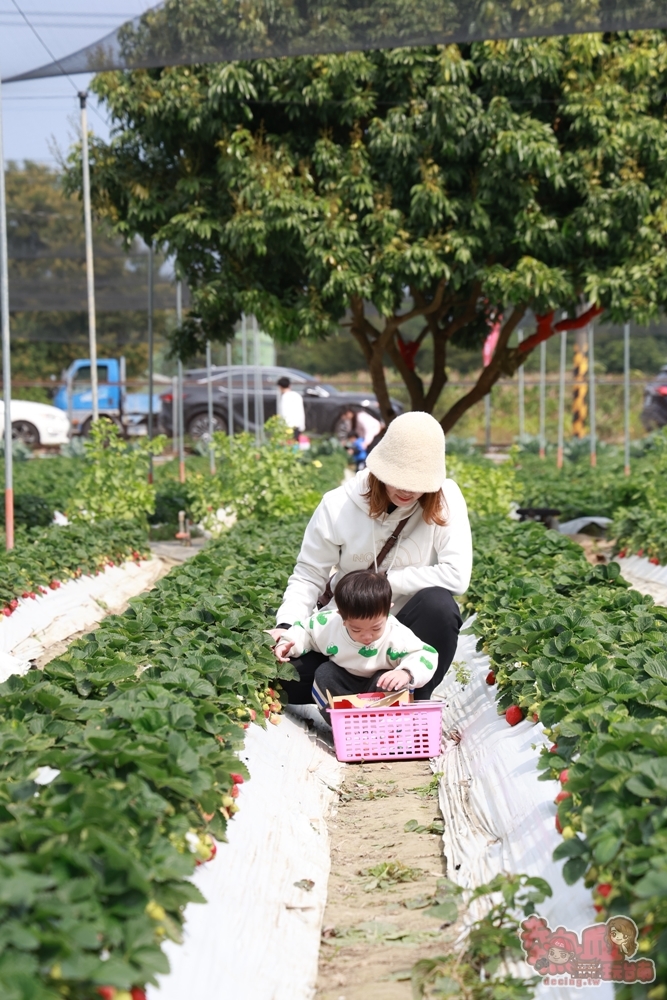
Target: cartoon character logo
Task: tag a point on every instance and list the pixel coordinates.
(604, 953)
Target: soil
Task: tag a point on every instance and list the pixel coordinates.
(369, 939)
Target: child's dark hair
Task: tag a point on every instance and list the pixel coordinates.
(363, 594)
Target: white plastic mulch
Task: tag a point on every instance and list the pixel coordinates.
(78, 605)
(498, 816)
(645, 577)
(258, 936)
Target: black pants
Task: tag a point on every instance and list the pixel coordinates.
(432, 614)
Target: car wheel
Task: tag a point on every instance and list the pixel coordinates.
(23, 430)
(342, 427)
(198, 425)
(85, 430)
(654, 417)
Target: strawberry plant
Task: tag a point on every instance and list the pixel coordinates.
(572, 646)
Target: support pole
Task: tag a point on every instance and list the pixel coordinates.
(561, 399)
(6, 355)
(209, 384)
(626, 394)
(174, 415)
(522, 395)
(591, 396)
(259, 397)
(90, 270)
(543, 394)
(181, 427)
(230, 394)
(487, 421)
(580, 388)
(150, 357)
(244, 362)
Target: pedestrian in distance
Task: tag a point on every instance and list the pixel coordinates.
(402, 516)
(290, 407)
(367, 649)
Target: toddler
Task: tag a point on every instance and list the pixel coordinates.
(368, 648)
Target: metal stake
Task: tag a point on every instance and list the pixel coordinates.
(244, 362)
(561, 399)
(259, 397)
(487, 420)
(522, 395)
(230, 394)
(209, 383)
(543, 409)
(181, 427)
(90, 271)
(591, 395)
(150, 358)
(6, 355)
(174, 414)
(626, 394)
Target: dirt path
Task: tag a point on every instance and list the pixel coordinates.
(370, 939)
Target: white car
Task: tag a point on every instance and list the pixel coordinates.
(36, 424)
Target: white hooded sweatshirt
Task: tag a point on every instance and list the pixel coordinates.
(342, 536)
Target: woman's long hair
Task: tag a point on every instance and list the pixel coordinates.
(433, 505)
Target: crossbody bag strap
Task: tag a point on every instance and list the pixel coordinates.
(389, 544)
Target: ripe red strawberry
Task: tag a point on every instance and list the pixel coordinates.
(563, 776)
(536, 717)
(25, 595)
(43, 590)
(640, 552)
(490, 677)
(7, 612)
(106, 992)
(597, 908)
(13, 604)
(246, 725)
(558, 826)
(137, 993)
(33, 595)
(266, 713)
(553, 748)
(622, 553)
(604, 889)
(513, 715)
(234, 791)
(236, 778)
(654, 560)
(562, 796)
(54, 584)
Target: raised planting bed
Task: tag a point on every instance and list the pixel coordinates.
(571, 647)
(136, 729)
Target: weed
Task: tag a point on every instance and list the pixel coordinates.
(388, 874)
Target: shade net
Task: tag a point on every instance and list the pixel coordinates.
(194, 31)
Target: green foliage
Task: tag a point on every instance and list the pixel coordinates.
(114, 483)
(30, 510)
(476, 972)
(487, 488)
(42, 555)
(522, 173)
(141, 719)
(266, 481)
(570, 643)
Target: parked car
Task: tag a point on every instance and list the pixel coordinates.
(654, 414)
(324, 404)
(36, 424)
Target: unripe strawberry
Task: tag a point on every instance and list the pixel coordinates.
(227, 801)
(490, 677)
(563, 776)
(513, 715)
(253, 714)
(569, 832)
(275, 720)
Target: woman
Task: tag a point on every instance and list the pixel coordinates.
(404, 485)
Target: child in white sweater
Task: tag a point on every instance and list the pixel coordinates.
(368, 648)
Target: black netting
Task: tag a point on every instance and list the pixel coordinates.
(193, 31)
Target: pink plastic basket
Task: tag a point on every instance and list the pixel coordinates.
(406, 732)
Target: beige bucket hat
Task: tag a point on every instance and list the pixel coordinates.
(411, 455)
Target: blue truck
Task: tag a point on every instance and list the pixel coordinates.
(129, 410)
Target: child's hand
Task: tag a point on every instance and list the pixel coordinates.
(394, 680)
(282, 648)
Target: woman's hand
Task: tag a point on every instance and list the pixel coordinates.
(394, 680)
(281, 650)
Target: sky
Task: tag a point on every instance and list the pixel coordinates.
(42, 116)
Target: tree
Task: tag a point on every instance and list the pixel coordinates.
(450, 185)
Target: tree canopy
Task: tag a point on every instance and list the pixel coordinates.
(445, 186)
